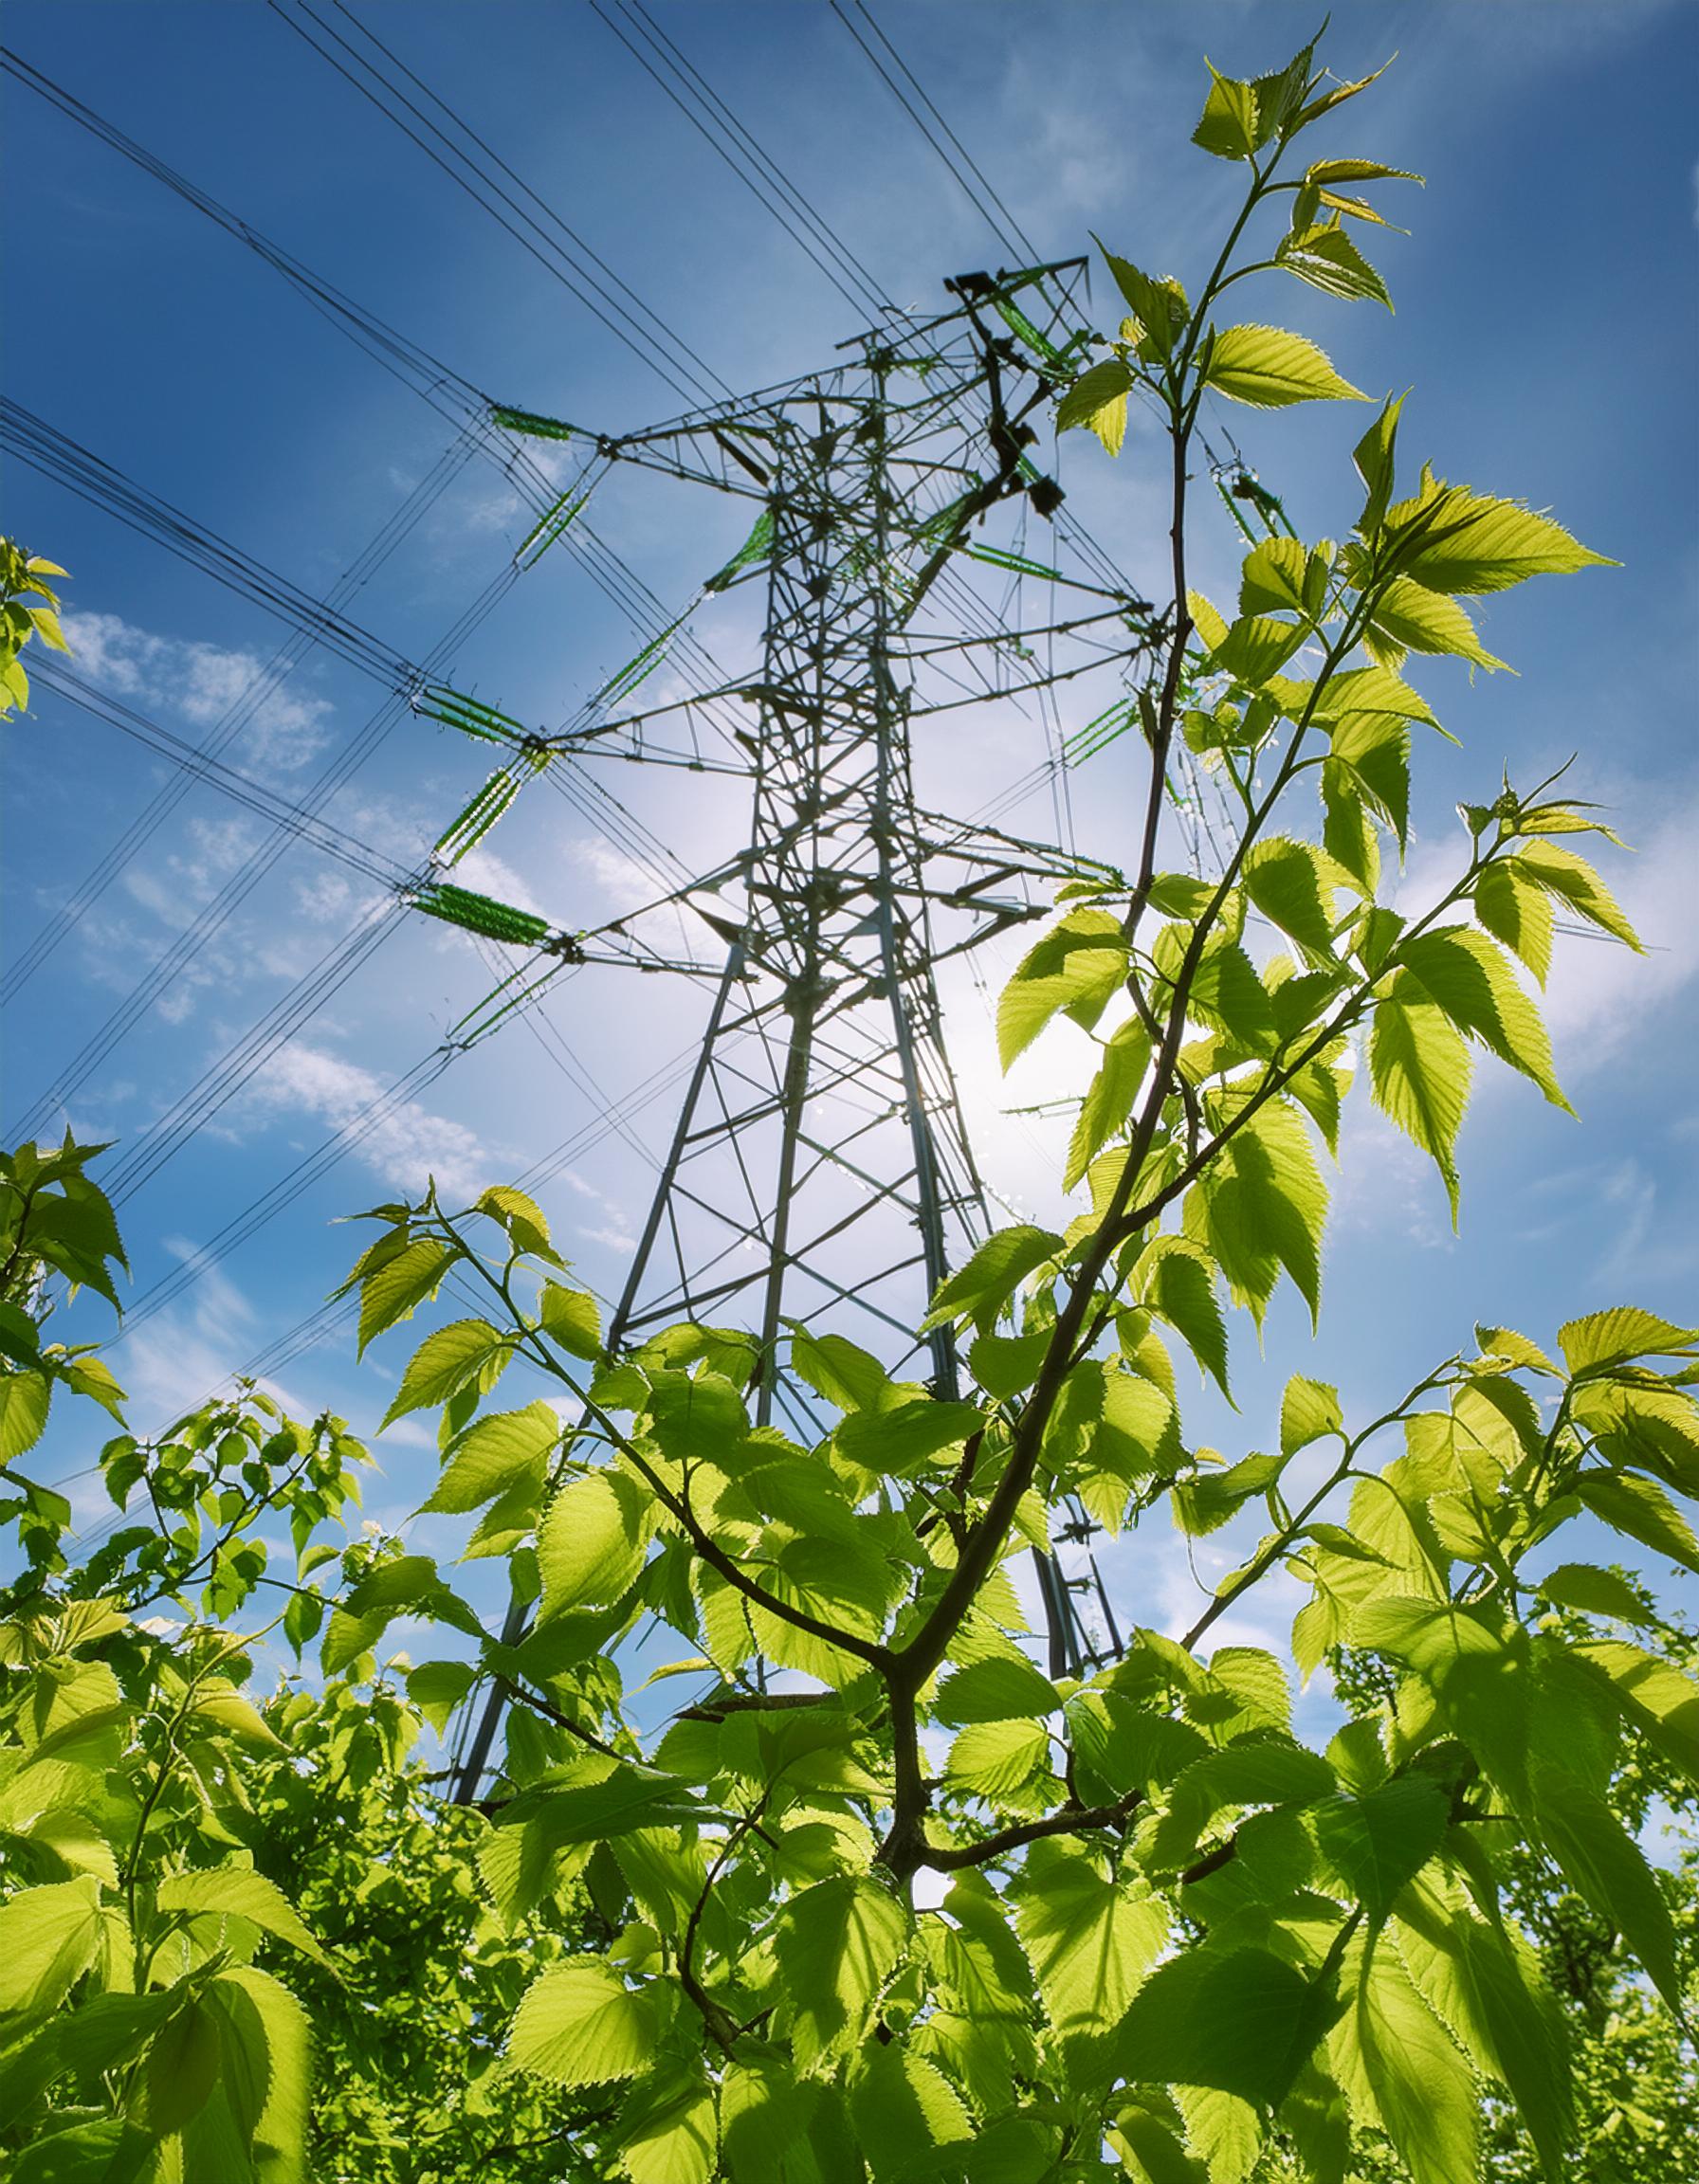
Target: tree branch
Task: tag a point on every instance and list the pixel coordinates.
(1066, 1820)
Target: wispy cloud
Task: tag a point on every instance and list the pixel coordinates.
(204, 684)
(173, 1361)
(405, 1147)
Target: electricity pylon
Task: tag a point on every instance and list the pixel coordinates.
(820, 1170)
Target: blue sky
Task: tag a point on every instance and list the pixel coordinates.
(1546, 323)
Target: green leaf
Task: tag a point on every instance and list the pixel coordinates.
(493, 1454)
(408, 1584)
(1619, 1334)
(395, 1289)
(497, 1453)
(570, 1318)
(1424, 620)
(998, 1759)
(1177, 1282)
(1260, 1205)
(1210, 1499)
(1254, 648)
(1347, 830)
(179, 2069)
(835, 1945)
(667, 2131)
(1269, 369)
(1004, 1365)
(1207, 620)
(1377, 1841)
(1370, 690)
(1225, 995)
(1467, 976)
(1525, 2030)
(1640, 1508)
(522, 1217)
(1159, 306)
(592, 1541)
(775, 2130)
(437, 1687)
(1110, 1098)
(1326, 258)
(1516, 910)
(906, 2111)
(224, 1707)
(1325, 173)
(1098, 399)
(1308, 1410)
(262, 2033)
(1077, 968)
(447, 1361)
(1229, 127)
(1480, 1677)
(102, 2033)
(1240, 2020)
(23, 1401)
(1225, 2132)
(578, 2024)
(1150, 2148)
(835, 1368)
(1419, 1069)
(1014, 2150)
(1421, 2084)
(48, 1939)
(1239, 1774)
(1460, 541)
(239, 1892)
(47, 627)
(1573, 881)
(1607, 1866)
(1272, 578)
(998, 1689)
(895, 1443)
(1373, 457)
(981, 1290)
(1653, 1695)
(1287, 881)
(1595, 1591)
(1090, 1936)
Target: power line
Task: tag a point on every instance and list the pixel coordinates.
(1006, 229)
(32, 439)
(198, 765)
(851, 278)
(183, 535)
(653, 343)
(445, 389)
(237, 716)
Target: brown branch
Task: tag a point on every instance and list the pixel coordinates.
(875, 1655)
(1067, 1820)
(1212, 1861)
(552, 1713)
(753, 1702)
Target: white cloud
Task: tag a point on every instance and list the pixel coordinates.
(405, 1147)
(1599, 998)
(485, 873)
(625, 884)
(203, 683)
(616, 1239)
(175, 1360)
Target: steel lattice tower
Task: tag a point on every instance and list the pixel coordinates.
(820, 1170)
